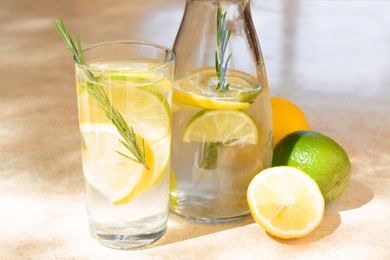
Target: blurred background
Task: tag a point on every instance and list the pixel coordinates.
(331, 58)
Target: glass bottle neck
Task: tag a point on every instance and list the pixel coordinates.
(244, 3)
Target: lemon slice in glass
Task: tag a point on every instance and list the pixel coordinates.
(148, 112)
(116, 177)
(228, 127)
(161, 150)
(142, 101)
(286, 202)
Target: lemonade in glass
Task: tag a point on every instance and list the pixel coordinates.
(124, 97)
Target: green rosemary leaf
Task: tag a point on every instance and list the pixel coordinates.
(130, 138)
(223, 37)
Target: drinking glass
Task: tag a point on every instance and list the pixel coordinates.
(124, 104)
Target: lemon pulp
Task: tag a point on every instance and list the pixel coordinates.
(286, 202)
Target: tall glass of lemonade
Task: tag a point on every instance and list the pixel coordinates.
(222, 126)
(124, 101)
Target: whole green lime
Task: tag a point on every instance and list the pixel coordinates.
(317, 155)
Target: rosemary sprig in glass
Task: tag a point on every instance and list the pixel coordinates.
(221, 62)
(130, 142)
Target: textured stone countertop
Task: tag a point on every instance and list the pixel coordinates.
(332, 58)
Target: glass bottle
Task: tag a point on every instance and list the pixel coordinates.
(222, 125)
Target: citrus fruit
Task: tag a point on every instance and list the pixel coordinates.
(208, 103)
(161, 150)
(115, 176)
(139, 100)
(286, 202)
(227, 127)
(319, 156)
(173, 190)
(118, 178)
(199, 89)
(286, 118)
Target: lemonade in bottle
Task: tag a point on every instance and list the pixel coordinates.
(222, 126)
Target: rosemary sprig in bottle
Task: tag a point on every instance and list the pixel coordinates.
(221, 62)
(130, 142)
(209, 154)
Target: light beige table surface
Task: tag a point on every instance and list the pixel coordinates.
(332, 58)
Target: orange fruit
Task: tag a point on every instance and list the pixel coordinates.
(286, 118)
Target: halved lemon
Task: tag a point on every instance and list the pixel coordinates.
(228, 127)
(286, 202)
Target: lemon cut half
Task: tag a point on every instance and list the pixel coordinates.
(286, 202)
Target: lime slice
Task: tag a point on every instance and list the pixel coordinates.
(228, 127)
(118, 178)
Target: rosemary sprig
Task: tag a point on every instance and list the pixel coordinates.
(130, 142)
(223, 37)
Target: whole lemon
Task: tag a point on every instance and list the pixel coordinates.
(319, 156)
(286, 118)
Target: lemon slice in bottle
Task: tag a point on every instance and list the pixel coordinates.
(208, 103)
(228, 127)
(286, 202)
(199, 89)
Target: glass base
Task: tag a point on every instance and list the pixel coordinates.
(211, 220)
(127, 241)
(209, 210)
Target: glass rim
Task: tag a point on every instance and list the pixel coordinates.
(157, 67)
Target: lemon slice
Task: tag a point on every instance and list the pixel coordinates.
(140, 100)
(116, 177)
(286, 202)
(208, 103)
(149, 113)
(199, 89)
(161, 150)
(229, 127)
(173, 191)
